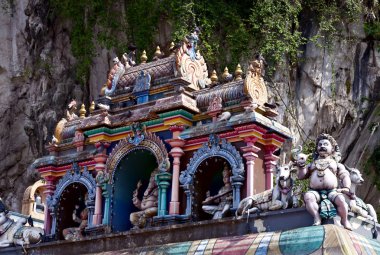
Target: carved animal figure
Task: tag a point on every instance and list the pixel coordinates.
(280, 197)
(224, 116)
(12, 232)
(356, 204)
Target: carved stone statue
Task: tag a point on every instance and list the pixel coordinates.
(148, 205)
(80, 216)
(282, 196)
(325, 173)
(12, 232)
(192, 42)
(114, 75)
(70, 113)
(356, 204)
(219, 205)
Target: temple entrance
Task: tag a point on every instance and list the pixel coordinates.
(135, 166)
(71, 201)
(210, 181)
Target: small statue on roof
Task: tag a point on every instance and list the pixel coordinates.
(192, 42)
(130, 58)
(257, 66)
(115, 74)
(70, 113)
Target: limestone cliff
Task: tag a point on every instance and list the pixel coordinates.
(333, 90)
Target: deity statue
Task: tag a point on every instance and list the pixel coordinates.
(80, 217)
(192, 42)
(326, 174)
(130, 58)
(219, 205)
(70, 112)
(148, 206)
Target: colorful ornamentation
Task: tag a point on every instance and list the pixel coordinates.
(115, 74)
(254, 86)
(138, 131)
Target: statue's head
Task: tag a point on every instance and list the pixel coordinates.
(226, 174)
(327, 146)
(116, 60)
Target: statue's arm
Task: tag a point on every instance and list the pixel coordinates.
(136, 201)
(303, 171)
(344, 177)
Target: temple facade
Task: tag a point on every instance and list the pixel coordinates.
(163, 144)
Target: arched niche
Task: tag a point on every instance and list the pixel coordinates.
(214, 148)
(127, 164)
(29, 204)
(151, 142)
(72, 177)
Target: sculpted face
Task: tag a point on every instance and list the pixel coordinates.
(324, 148)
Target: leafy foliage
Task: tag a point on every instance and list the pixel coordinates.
(232, 31)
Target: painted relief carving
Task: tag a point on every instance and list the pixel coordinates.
(138, 131)
(254, 86)
(114, 75)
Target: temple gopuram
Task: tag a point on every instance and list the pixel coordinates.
(172, 160)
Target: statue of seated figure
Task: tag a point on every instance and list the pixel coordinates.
(219, 205)
(148, 204)
(80, 216)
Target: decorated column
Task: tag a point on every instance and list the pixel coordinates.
(49, 191)
(100, 159)
(250, 154)
(176, 152)
(270, 161)
(163, 182)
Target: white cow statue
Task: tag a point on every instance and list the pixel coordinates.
(356, 204)
(15, 233)
(280, 197)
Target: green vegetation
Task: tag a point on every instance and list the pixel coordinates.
(232, 31)
(372, 167)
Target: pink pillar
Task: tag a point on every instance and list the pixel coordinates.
(270, 165)
(100, 159)
(176, 152)
(49, 190)
(250, 154)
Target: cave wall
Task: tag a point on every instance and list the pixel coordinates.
(330, 90)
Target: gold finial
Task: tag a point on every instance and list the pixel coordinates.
(172, 48)
(238, 73)
(214, 78)
(158, 53)
(82, 112)
(225, 73)
(143, 57)
(92, 107)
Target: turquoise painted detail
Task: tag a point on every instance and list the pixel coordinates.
(163, 182)
(263, 246)
(172, 249)
(301, 241)
(106, 194)
(176, 112)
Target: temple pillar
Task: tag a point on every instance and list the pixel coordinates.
(270, 161)
(163, 182)
(250, 154)
(100, 158)
(176, 152)
(49, 191)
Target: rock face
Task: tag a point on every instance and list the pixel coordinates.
(332, 90)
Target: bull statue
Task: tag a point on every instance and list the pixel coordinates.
(357, 205)
(280, 197)
(15, 233)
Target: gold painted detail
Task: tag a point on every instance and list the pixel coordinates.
(82, 112)
(143, 57)
(151, 142)
(92, 107)
(238, 73)
(254, 86)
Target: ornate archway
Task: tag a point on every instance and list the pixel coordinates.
(215, 147)
(74, 175)
(150, 142)
(132, 160)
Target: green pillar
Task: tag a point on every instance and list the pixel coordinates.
(163, 182)
(106, 195)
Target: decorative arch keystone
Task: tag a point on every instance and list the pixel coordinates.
(215, 147)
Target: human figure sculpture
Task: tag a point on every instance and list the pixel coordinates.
(219, 205)
(192, 40)
(80, 216)
(325, 173)
(148, 206)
